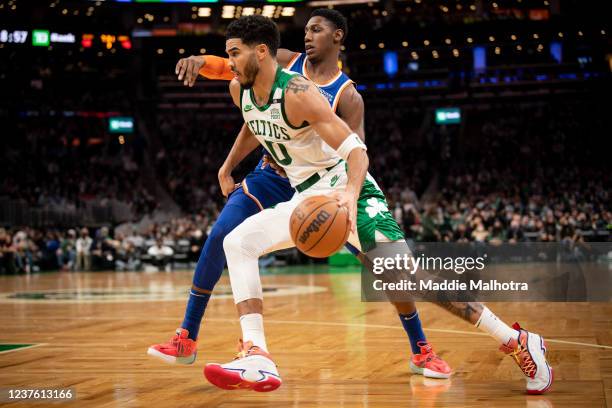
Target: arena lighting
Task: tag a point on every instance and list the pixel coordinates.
(121, 124)
(108, 40)
(480, 59)
(268, 11)
(204, 12)
(86, 40)
(288, 11)
(323, 3)
(448, 116)
(556, 51)
(125, 42)
(228, 11)
(390, 63)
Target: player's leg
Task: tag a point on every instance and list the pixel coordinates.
(422, 352)
(376, 224)
(182, 347)
(528, 349)
(254, 368)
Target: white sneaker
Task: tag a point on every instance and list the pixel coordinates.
(529, 352)
(252, 369)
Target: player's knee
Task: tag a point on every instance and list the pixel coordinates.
(232, 243)
(240, 242)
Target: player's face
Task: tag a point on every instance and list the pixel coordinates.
(243, 61)
(320, 37)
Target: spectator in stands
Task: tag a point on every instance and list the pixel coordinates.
(161, 254)
(83, 251)
(7, 253)
(24, 251)
(66, 254)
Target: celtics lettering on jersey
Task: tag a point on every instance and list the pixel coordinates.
(298, 149)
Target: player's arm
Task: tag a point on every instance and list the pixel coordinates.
(304, 103)
(351, 110)
(214, 67)
(244, 144)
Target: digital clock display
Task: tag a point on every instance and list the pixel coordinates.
(16, 36)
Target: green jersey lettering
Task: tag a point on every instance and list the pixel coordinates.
(285, 160)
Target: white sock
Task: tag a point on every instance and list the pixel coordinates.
(253, 330)
(492, 325)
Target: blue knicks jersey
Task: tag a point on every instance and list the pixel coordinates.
(330, 90)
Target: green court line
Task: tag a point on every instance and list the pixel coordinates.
(7, 347)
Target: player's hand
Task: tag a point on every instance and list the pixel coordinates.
(187, 69)
(269, 161)
(226, 181)
(348, 200)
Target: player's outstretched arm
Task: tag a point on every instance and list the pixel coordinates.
(214, 67)
(209, 66)
(304, 103)
(351, 110)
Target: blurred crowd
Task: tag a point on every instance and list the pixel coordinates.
(530, 171)
(534, 174)
(160, 245)
(58, 151)
(67, 162)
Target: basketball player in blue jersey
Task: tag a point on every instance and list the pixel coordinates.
(263, 187)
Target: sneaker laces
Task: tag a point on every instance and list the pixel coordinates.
(181, 346)
(244, 349)
(522, 356)
(428, 351)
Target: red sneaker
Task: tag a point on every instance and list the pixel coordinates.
(252, 369)
(179, 350)
(428, 364)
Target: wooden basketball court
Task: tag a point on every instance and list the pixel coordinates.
(90, 331)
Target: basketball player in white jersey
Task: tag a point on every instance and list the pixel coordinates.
(286, 113)
(324, 34)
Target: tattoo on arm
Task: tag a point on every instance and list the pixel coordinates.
(298, 84)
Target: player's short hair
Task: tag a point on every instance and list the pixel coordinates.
(335, 17)
(255, 29)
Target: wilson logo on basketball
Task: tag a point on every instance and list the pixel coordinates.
(315, 225)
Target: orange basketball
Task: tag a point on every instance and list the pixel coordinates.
(319, 227)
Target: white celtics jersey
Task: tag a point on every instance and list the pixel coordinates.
(299, 150)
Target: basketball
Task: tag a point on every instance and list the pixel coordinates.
(319, 227)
